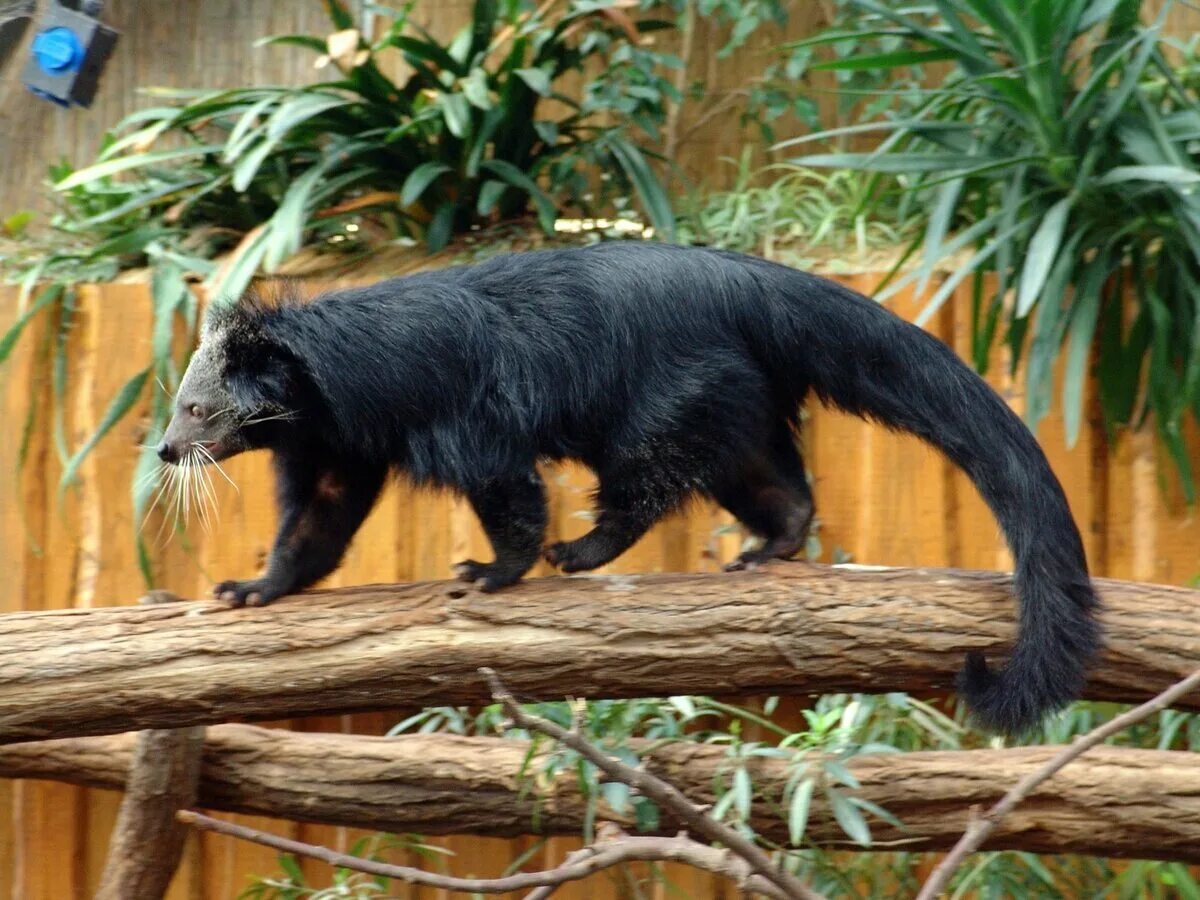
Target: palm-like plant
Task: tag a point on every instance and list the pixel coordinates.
(465, 136)
(1063, 149)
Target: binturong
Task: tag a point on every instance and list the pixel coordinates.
(671, 372)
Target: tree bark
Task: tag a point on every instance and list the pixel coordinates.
(790, 628)
(1113, 801)
(147, 841)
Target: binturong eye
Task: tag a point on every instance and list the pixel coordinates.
(196, 410)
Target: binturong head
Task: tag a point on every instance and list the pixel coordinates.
(239, 392)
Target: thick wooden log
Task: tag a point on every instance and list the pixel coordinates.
(791, 628)
(147, 841)
(1113, 801)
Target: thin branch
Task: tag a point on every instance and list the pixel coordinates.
(982, 827)
(665, 795)
(603, 855)
(679, 80)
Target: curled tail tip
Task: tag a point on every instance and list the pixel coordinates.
(1007, 701)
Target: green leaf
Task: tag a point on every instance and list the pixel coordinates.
(437, 234)
(475, 89)
(229, 283)
(126, 397)
(616, 795)
(247, 127)
(966, 269)
(935, 231)
(285, 234)
(1159, 173)
(896, 163)
(506, 171)
(293, 40)
(918, 126)
(850, 818)
(50, 294)
(537, 79)
(743, 793)
(134, 161)
(798, 810)
(419, 179)
(886, 60)
(338, 14)
(1043, 249)
(456, 112)
(490, 193)
(650, 190)
(483, 22)
(168, 291)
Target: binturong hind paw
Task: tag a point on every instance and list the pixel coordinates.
(580, 555)
(488, 577)
(257, 592)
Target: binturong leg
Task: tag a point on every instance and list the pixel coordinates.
(630, 499)
(321, 506)
(770, 496)
(513, 514)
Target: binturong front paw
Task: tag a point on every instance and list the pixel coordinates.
(257, 592)
(488, 577)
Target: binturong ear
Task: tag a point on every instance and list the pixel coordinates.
(261, 378)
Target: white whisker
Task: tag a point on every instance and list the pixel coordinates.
(163, 475)
(285, 416)
(206, 497)
(213, 461)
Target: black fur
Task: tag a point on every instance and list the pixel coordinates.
(671, 372)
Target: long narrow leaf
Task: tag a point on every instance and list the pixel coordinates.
(126, 397)
(506, 171)
(134, 161)
(1043, 249)
(653, 196)
(419, 179)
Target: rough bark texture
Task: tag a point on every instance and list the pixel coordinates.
(791, 628)
(1111, 802)
(147, 841)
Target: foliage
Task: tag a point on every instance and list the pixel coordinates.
(817, 740)
(292, 885)
(479, 127)
(1062, 151)
(788, 212)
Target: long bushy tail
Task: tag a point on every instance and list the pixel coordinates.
(863, 359)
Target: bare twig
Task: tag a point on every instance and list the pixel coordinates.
(602, 855)
(981, 827)
(687, 31)
(662, 793)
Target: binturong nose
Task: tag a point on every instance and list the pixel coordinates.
(166, 452)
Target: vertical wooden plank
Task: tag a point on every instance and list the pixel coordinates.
(20, 527)
(48, 815)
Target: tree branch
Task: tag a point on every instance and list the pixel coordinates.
(663, 793)
(981, 827)
(788, 628)
(604, 854)
(1104, 804)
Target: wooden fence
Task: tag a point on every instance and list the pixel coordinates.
(881, 498)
